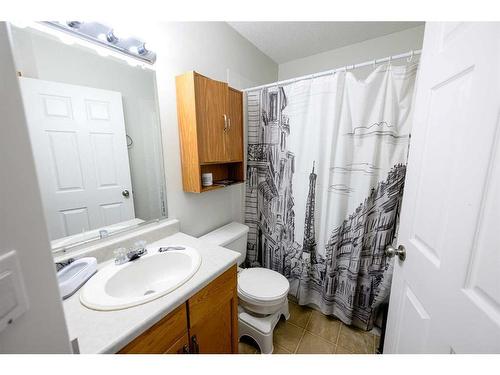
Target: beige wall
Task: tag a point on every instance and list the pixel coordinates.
(219, 52)
(391, 44)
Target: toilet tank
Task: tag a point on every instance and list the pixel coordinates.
(232, 236)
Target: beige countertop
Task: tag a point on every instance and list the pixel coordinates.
(109, 331)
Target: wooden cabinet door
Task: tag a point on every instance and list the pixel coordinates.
(211, 110)
(234, 132)
(213, 334)
(181, 346)
(161, 337)
(213, 316)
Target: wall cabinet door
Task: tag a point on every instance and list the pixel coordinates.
(234, 131)
(211, 117)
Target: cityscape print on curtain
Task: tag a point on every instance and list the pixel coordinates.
(325, 175)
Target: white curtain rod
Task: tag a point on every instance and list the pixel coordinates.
(344, 68)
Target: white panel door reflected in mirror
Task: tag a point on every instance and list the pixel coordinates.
(95, 133)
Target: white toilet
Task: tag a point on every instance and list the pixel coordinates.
(262, 292)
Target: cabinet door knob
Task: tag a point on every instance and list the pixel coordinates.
(225, 123)
(196, 346)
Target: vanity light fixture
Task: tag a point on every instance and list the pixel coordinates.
(104, 35)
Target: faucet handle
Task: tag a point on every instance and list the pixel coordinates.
(120, 256)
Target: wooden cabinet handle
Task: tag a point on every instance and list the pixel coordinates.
(195, 345)
(225, 123)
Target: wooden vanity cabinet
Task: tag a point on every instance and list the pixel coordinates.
(207, 323)
(210, 119)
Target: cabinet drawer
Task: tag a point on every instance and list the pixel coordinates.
(210, 298)
(162, 336)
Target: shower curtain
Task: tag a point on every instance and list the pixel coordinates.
(325, 173)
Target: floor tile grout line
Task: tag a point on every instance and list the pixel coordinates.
(283, 348)
(323, 338)
(336, 343)
(295, 325)
(338, 334)
(319, 337)
(303, 333)
(308, 319)
(301, 337)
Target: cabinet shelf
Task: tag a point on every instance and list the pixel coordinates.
(210, 118)
(217, 187)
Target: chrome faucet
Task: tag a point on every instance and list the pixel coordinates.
(123, 256)
(136, 253)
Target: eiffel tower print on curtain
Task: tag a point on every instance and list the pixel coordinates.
(335, 262)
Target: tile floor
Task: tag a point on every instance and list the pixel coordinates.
(310, 332)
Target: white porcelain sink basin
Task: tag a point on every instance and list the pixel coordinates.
(140, 281)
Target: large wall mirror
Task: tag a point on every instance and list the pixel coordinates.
(95, 131)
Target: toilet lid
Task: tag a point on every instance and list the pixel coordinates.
(262, 284)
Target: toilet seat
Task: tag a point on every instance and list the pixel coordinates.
(261, 290)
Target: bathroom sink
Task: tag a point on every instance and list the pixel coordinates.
(140, 281)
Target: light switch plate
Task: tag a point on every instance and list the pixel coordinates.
(13, 298)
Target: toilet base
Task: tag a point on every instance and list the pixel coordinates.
(260, 328)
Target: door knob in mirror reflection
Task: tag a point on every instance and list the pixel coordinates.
(126, 193)
(391, 251)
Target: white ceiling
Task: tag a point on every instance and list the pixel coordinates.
(286, 41)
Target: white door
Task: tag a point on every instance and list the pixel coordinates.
(79, 144)
(445, 296)
(42, 328)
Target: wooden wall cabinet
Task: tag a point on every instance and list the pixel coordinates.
(206, 324)
(210, 119)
